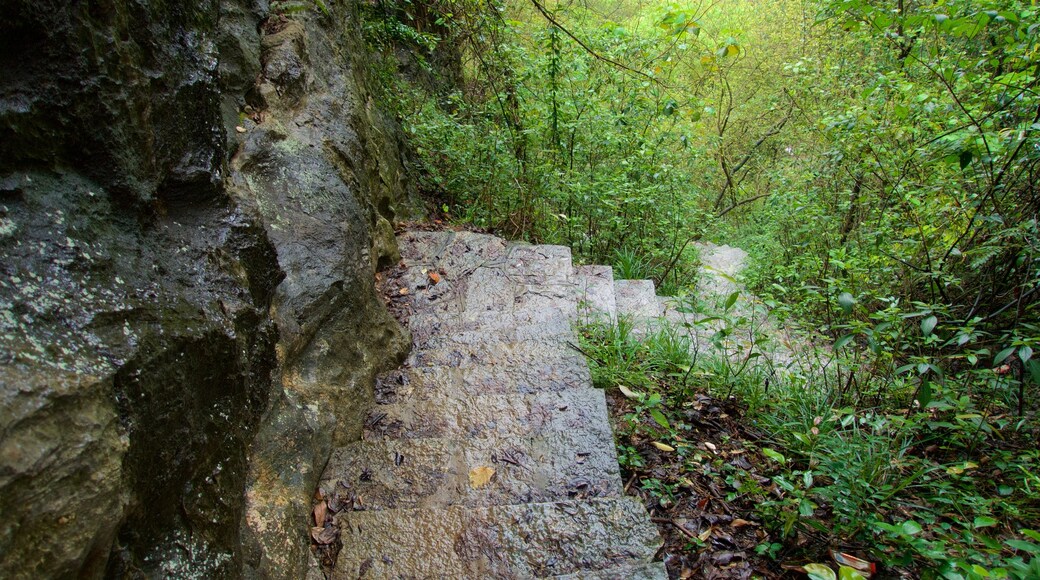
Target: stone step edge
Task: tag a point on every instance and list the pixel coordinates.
(627, 538)
(487, 415)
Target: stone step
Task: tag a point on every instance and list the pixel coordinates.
(509, 415)
(431, 333)
(560, 311)
(482, 290)
(457, 254)
(546, 354)
(637, 301)
(437, 382)
(511, 541)
(451, 253)
(596, 301)
(436, 472)
(646, 571)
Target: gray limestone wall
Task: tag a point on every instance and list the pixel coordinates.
(194, 199)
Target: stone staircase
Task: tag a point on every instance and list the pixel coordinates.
(489, 453)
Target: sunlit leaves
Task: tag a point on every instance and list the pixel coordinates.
(677, 22)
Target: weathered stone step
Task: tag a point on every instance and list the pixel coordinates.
(436, 472)
(647, 571)
(508, 415)
(482, 290)
(559, 311)
(511, 541)
(546, 354)
(457, 254)
(432, 333)
(637, 301)
(450, 252)
(595, 287)
(436, 382)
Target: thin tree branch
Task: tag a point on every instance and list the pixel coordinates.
(589, 49)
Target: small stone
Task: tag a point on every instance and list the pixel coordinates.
(240, 129)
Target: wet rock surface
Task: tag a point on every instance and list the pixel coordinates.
(488, 454)
(194, 199)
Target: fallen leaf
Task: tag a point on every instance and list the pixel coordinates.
(740, 523)
(663, 447)
(820, 572)
(403, 291)
(480, 476)
(240, 129)
(710, 446)
(703, 536)
(863, 567)
(320, 511)
(325, 536)
(434, 277)
(627, 392)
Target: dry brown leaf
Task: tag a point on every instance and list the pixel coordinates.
(480, 476)
(740, 523)
(703, 536)
(403, 291)
(435, 277)
(320, 511)
(324, 536)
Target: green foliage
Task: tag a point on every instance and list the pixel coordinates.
(878, 161)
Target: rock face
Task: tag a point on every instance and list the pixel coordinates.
(188, 319)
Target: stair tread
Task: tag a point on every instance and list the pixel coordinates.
(458, 253)
(510, 541)
(546, 353)
(438, 381)
(435, 472)
(595, 287)
(509, 414)
(636, 299)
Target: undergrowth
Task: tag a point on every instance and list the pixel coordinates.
(946, 489)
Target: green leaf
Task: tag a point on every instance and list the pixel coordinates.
(1034, 370)
(659, 417)
(911, 528)
(1024, 546)
(774, 455)
(984, 522)
(965, 158)
(1031, 534)
(731, 300)
(1025, 353)
(820, 572)
(846, 301)
(928, 325)
(924, 396)
(1003, 355)
(849, 573)
(843, 341)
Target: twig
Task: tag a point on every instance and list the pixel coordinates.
(674, 524)
(588, 49)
